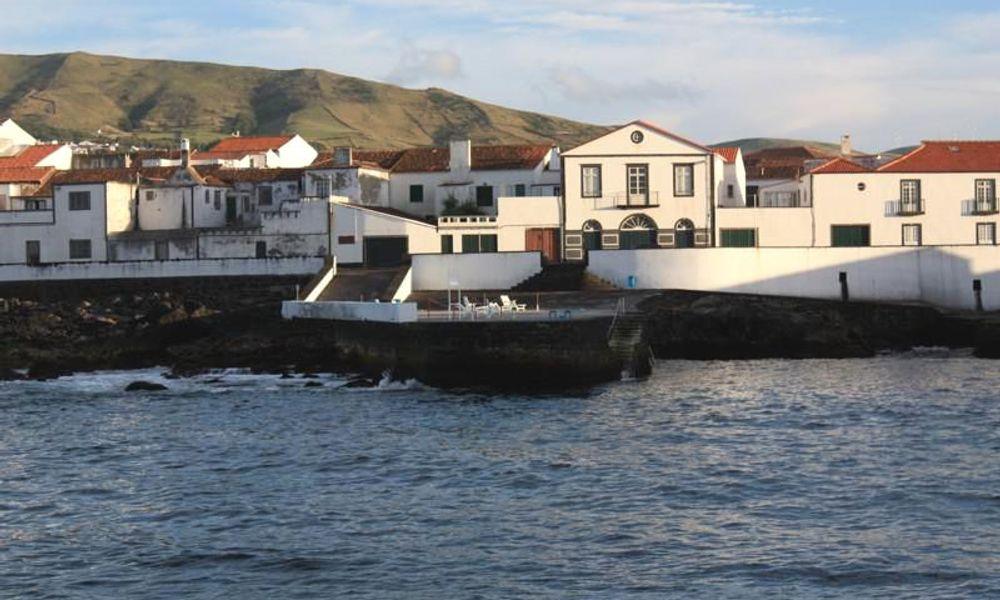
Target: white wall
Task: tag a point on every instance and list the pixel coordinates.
(776, 227)
(942, 275)
(160, 269)
(61, 159)
(386, 312)
(359, 185)
(11, 134)
(295, 154)
(352, 221)
(489, 271)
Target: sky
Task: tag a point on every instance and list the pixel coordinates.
(890, 73)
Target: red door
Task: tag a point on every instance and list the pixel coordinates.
(545, 241)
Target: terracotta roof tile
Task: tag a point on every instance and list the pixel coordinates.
(25, 174)
(250, 144)
(728, 153)
(257, 175)
(839, 165)
(948, 157)
(484, 158)
(29, 156)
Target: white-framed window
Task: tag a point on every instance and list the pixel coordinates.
(986, 194)
(912, 234)
(909, 191)
(638, 183)
(323, 188)
(591, 181)
(986, 234)
(683, 180)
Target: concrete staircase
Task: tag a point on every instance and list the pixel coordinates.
(567, 277)
(364, 284)
(627, 341)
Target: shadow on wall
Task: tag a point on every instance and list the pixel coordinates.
(943, 276)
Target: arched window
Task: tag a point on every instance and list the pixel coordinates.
(637, 231)
(592, 235)
(684, 234)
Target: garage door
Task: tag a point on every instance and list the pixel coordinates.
(386, 251)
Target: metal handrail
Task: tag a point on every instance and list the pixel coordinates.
(619, 310)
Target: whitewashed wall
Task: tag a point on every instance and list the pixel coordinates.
(940, 275)
(386, 312)
(776, 227)
(492, 271)
(352, 221)
(237, 267)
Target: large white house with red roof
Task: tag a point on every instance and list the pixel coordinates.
(641, 186)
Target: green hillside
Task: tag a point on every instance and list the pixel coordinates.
(753, 144)
(83, 96)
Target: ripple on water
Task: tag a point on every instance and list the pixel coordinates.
(834, 479)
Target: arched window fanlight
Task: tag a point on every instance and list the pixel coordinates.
(637, 222)
(592, 225)
(684, 225)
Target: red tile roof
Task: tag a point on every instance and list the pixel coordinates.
(728, 153)
(25, 174)
(375, 159)
(484, 158)
(839, 165)
(948, 157)
(29, 156)
(250, 144)
(256, 175)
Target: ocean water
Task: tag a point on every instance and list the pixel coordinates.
(871, 478)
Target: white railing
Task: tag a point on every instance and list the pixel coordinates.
(904, 208)
(467, 221)
(26, 217)
(979, 206)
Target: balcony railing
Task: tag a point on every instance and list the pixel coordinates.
(627, 200)
(467, 221)
(979, 206)
(27, 217)
(904, 208)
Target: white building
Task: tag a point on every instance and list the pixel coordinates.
(641, 186)
(258, 152)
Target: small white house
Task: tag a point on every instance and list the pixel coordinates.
(13, 136)
(258, 152)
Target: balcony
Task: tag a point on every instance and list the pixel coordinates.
(979, 206)
(904, 208)
(27, 217)
(467, 221)
(625, 200)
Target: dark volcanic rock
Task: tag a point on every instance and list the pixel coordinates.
(10, 375)
(45, 370)
(313, 384)
(360, 382)
(145, 386)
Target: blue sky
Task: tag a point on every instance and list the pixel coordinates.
(712, 69)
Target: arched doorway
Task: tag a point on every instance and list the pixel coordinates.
(684, 234)
(636, 232)
(592, 236)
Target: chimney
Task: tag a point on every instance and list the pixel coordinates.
(461, 156)
(343, 156)
(185, 152)
(845, 146)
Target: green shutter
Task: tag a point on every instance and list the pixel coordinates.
(738, 238)
(447, 244)
(844, 236)
(488, 243)
(470, 244)
(416, 193)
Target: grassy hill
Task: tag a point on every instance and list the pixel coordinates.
(753, 144)
(77, 95)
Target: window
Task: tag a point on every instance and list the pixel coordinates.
(260, 250)
(730, 191)
(912, 235)
(986, 195)
(265, 196)
(909, 196)
(416, 193)
(484, 195)
(150, 195)
(753, 193)
(738, 238)
(79, 201)
(208, 196)
(638, 184)
(986, 234)
(843, 236)
(591, 181)
(79, 249)
(218, 199)
(323, 188)
(683, 180)
(520, 190)
(345, 240)
(447, 244)
(475, 244)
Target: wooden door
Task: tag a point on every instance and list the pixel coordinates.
(544, 240)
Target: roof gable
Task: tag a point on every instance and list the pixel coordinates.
(250, 144)
(839, 165)
(652, 140)
(728, 153)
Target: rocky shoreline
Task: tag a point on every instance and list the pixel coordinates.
(194, 329)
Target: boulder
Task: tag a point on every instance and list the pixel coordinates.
(7, 374)
(313, 384)
(145, 386)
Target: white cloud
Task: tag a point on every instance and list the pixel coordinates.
(417, 65)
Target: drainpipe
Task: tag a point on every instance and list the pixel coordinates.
(711, 199)
(562, 207)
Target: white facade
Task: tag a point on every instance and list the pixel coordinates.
(361, 185)
(13, 136)
(353, 223)
(639, 186)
